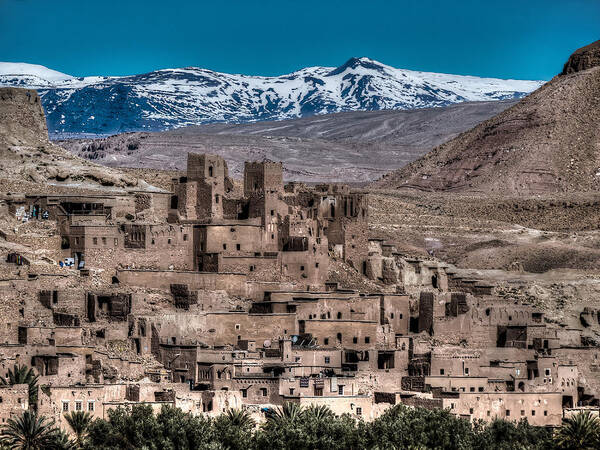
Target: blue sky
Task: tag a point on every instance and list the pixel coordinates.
(525, 39)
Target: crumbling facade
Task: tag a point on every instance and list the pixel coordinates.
(214, 296)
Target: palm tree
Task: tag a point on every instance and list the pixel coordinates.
(289, 412)
(240, 418)
(30, 432)
(581, 431)
(319, 412)
(79, 422)
(23, 375)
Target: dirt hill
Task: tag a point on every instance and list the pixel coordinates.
(349, 147)
(30, 163)
(547, 143)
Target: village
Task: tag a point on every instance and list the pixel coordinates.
(216, 295)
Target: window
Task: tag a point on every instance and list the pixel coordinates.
(367, 339)
(470, 410)
(217, 198)
(244, 393)
(327, 360)
(90, 406)
(302, 268)
(185, 237)
(545, 413)
(251, 268)
(326, 341)
(471, 389)
(272, 236)
(78, 406)
(224, 246)
(522, 412)
(210, 171)
(237, 326)
(547, 372)
(263, 392)
(488, 414)
(507, 412)
(317, 265)
(466, 371)
(355, 340)
(103, 241)
(340, 390)
(238, 247)
(169, 240)
(441, 371)
(391, 315)
(533, 412)
(65, 406)
(359, 411)
(117, 242)
(95, 241)
(272, 212)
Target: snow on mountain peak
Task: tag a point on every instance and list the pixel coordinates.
(170, 98)
(33, 70)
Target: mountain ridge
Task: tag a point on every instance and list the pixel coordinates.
(173, 98)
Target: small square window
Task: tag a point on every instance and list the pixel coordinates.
(359, 411)
(327, 360)
(507, 412)
(301, 267)
(272, 212)
(263, 392)
(442, 371)
(238, 246)
(65, 406)
(355, 340)
(367, 339)
(326, 341)
(78, 406)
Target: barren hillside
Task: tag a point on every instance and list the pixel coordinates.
(547, 143)
(348, 147)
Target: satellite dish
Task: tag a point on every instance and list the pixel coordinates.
(267, 343)
(294, 339)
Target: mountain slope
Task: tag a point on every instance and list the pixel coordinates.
(547, 143)
(174, 98)
(353, 146)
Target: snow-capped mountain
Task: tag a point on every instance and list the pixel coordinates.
(173, 98)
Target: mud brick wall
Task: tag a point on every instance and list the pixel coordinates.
(426, 300)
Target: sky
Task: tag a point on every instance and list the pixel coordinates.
(521, 39)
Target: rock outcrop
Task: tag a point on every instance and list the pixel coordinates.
(583, 59)
(30, 162)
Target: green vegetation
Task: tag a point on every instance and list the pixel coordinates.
(23, 375)
(293, 427)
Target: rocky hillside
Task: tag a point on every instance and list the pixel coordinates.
(30, 163)
(547, 143)
(358, 146)
(173, 98)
